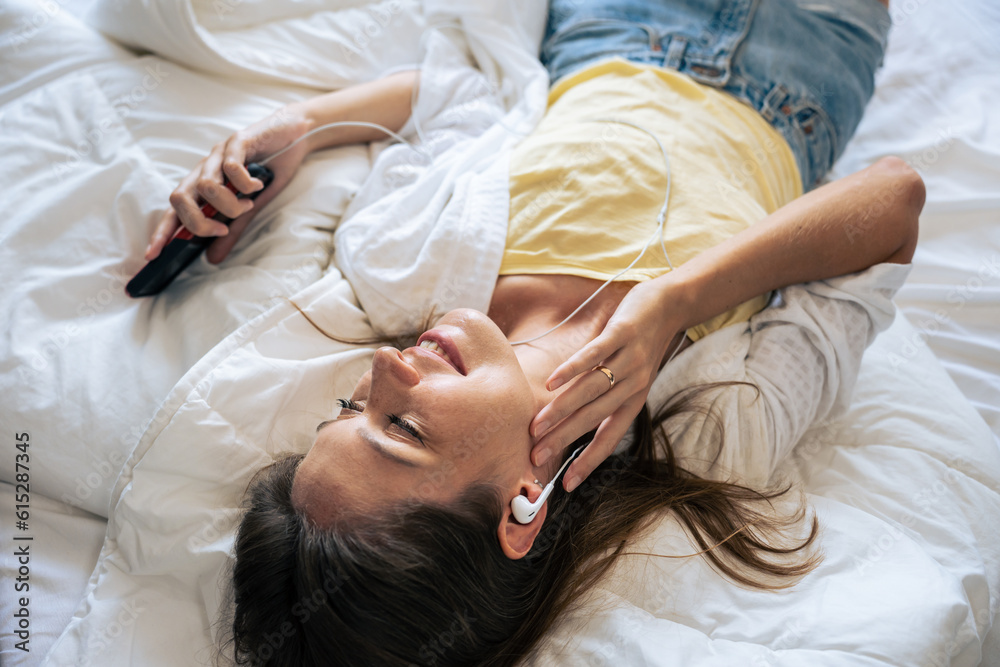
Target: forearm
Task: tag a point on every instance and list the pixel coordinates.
(858, 221)
(385, 102)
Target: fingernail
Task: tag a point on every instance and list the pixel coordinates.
(555, 384)
(221, 230)
(543, 456)
(541, 429)
(572, 483)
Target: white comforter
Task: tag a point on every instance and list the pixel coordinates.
(95, 141)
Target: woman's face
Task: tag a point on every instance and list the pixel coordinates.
(424, 424)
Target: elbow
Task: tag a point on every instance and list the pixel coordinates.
(908, 194)
(905, 183)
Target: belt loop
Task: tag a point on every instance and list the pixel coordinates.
(675, 53)
(774, 98)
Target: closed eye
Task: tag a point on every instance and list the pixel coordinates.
(406, 426)
(355, 406)
(350, 404)
(345, 404)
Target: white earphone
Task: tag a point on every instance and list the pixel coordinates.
(524, 510)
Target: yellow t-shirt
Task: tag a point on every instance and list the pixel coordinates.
(584, 195)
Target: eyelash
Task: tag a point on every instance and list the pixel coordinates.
(350, 404)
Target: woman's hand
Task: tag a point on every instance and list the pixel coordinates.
(842, 227)
(385, 101)
(205, 183)
(632, 347)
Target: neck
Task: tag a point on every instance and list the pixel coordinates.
(526, 306)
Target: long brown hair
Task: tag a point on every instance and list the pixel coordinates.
(425, 584)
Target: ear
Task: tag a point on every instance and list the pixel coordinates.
(516, 539)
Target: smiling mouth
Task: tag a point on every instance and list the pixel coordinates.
(441, 344)
(436, 349)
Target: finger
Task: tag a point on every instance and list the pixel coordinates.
(190, 215)
(221, 247)
(212, 189)
(582, 421)
(609, 434)
(164, 230)
(587, 388)
(591, 355)
(234, 168)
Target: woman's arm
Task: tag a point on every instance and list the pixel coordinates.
(801, 358)
(863, 219)
(385, 101)
(848, 225)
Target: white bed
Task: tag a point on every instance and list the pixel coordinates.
(95, 136)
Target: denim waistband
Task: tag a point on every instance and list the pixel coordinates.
(806, 66)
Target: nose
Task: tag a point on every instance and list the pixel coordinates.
(389, 361)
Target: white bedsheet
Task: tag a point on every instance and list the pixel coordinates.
(90, 157)
(172, 512)
(937, 105)
(65, 544)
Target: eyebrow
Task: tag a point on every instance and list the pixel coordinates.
(375, 444)
(383, 450)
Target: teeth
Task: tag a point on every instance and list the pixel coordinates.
(435, 348)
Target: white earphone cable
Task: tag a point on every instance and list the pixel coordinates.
(414, 92)
(345, 123)
(567, 462)
(660, 218)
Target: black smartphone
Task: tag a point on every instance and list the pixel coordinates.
(185, 247)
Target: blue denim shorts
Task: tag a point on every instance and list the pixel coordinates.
(807, 66)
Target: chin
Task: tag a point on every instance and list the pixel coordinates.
(473, 323)
(480, 341)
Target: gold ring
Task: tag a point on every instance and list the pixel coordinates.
(606, 371)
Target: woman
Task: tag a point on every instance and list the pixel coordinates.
(392, 541)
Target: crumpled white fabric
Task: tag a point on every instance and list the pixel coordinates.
(314, 43)
(94, 140)
(482, 89)
(427, 237)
